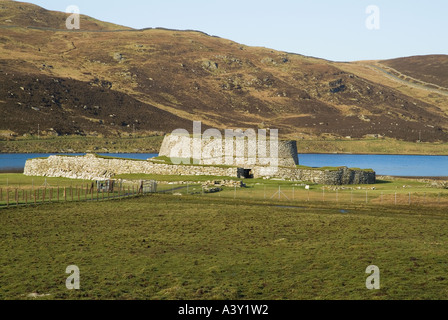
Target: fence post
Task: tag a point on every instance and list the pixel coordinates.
(337, 195)
(26, 198)
(7, 198)
(17, 197)
(35, 200)
(1, 194)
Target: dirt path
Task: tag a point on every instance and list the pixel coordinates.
(420, 85)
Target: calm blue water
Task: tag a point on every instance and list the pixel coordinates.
(395, 165)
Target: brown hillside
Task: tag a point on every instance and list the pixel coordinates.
(14, 13)
(431, 69)
(111, 82)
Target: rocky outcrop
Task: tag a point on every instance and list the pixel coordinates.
(91, 167)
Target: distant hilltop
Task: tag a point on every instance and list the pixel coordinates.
(115, 82)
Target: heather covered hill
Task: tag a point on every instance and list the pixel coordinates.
(431, 69)
(101, 80)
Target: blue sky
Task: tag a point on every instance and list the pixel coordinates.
(330, 29)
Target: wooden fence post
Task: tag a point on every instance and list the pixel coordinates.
(17, 197)
(7, 198)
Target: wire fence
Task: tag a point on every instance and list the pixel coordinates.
(25, 196)
(328, 195)
(10, 197)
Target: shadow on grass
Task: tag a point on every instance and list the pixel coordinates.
(383, 182)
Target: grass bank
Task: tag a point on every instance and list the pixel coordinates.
(83, 145)
(372, 146)
(152, 145)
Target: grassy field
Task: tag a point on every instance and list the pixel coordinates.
(168, 247)
(372, 146)
(82, 144)
(153, 144)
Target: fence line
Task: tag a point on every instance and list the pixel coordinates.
(10, 197)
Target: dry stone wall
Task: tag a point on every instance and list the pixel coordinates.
(214, 151)
(91, 167)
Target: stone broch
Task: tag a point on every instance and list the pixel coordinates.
(92, 167)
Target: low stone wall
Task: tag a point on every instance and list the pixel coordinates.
(91, 167)
(342, 176)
